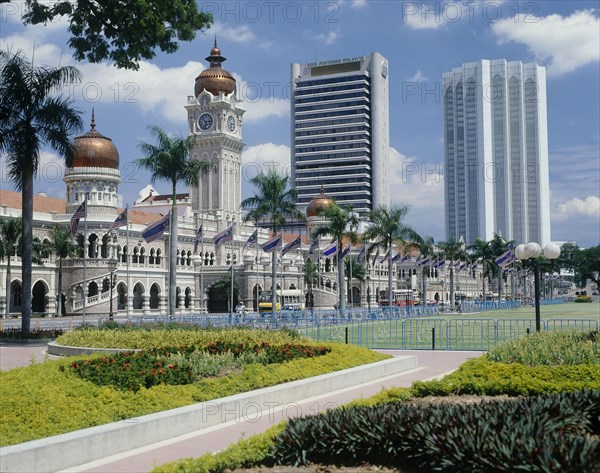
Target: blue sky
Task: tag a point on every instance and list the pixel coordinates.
(421, 41)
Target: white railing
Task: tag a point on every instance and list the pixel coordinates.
(94, 300)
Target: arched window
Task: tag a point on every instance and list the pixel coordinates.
(188, 298)
(138, 296)
(92, 289)
(136, 251)
(151, 258)
(189, 258)
(177, 297)
(142, 255)
(124, 254)
(105, 285)
(158, 255)
(154, 296)
(104, 247)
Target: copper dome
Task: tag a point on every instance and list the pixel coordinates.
(215, 79)
(93, 149)
(318, 204)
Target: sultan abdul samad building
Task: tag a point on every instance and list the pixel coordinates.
(140, 285)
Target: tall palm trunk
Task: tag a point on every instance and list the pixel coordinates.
(27, 235)
(274, 280)
(390, 279)
(7, 308)
(451, 287)
(60, 276)
(341, 278)
(173, 254)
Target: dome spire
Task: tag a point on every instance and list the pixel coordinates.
(93, 124)
(215, 79)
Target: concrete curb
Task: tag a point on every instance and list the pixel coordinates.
(83, 446)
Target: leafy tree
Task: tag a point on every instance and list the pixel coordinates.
(451, 250)
(63, 247)
(275, 202)
(10, 237)
(358, 271)
(481, 251)
(498, 246)
(168, 160)
(339, 226)
(33, 114)
(584, 263)
(121, 32)
(386, 229)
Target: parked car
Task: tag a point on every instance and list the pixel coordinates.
(291, 307)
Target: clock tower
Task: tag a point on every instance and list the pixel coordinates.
(215, 122)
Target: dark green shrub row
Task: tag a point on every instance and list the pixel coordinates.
(483, 377)
(131, 371)
(553, 432)
(16, 333)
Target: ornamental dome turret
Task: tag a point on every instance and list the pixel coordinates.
(215, 79)
(94, 150)
(318, 204)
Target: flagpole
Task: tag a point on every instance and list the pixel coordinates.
(202, 266)
(85, 247)
(350, 298)
(257, 261)
(231, 282)
(127, 300)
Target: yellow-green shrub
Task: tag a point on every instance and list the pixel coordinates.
(40, 400)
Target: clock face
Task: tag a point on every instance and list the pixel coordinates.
(231, 123)
(205, 121)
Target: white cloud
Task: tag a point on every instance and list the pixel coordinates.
(325, 38)
(264, 157)
(418, 77)
(566, 43)
(577, 208)
(153, 89)
(238, 34)
(359, 4)
(421, 186)
(422, 17)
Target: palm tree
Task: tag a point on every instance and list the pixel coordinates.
(482, 252)
(355, 269)
(33, 114)
(388, 228)
(168, 160)
(223, 286)
(275, 201)
(498, 246)
(340, 224)
(426, 248)
(10, 237)
(451, 250)
(311, 274)
(63, 247)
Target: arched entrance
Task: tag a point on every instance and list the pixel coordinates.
(38, 297)
(255, 295)
(356, 296)
(188, 298)
(16, 297)
(92, 289)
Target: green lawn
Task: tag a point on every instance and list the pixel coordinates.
(474, 331)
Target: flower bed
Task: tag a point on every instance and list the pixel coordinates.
(183, 365)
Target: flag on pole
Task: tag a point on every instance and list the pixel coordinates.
(506, 258)
(397, 258)
(387, 256)
(198, 238)
(253, 239)
(406, 257)
(345, 250)
(271, 245)
(331, 249)
(425, 261)
(119, 221)
(225, 235)
(80, 213)
(362, 255)
(291, 245)
(155, 230)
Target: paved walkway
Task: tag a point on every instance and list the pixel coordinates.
(431, 364)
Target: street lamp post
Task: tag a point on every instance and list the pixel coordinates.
(532, 251)
(112, 266)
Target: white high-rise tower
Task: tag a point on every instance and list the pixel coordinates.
(496, 151)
